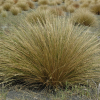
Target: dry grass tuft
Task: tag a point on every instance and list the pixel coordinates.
(7, 6)
(31, 4)
(95, 9)
(64, 8)
(69, 2)
(70, 9)
(56, 11)
(52, 3)
(49, 55)
(4, 13)
(35, 16)
(43, 2)
(1, 8)
(23, 5)
(15, 10)
(43, 7)
(10, 1)
(15, 1)
(81, 1)
(76, 5)
(58, 2)
(1, 2)
(84, 5)
(35, 0)
(84, 17)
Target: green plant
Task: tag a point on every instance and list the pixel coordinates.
(50, 54)
(84, 17)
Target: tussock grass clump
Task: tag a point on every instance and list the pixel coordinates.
(35, 0)
(70, 9)
(43, 2)
(35, 16)
(15, 10)
(64, 8)
(23, 5)
(56, 11)
(7, 6)
(58, 2)
(49, 54)
(85, 5)
(76, 5)
(52, 3)
(15, 1)
(69, 2)
(31, 4)
(4, 13)
(84, 17)
(10, 1)
(95, 9)
(1, 2)
(1, 8)
(43, 7)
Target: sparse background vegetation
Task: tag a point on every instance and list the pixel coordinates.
(50, 46)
